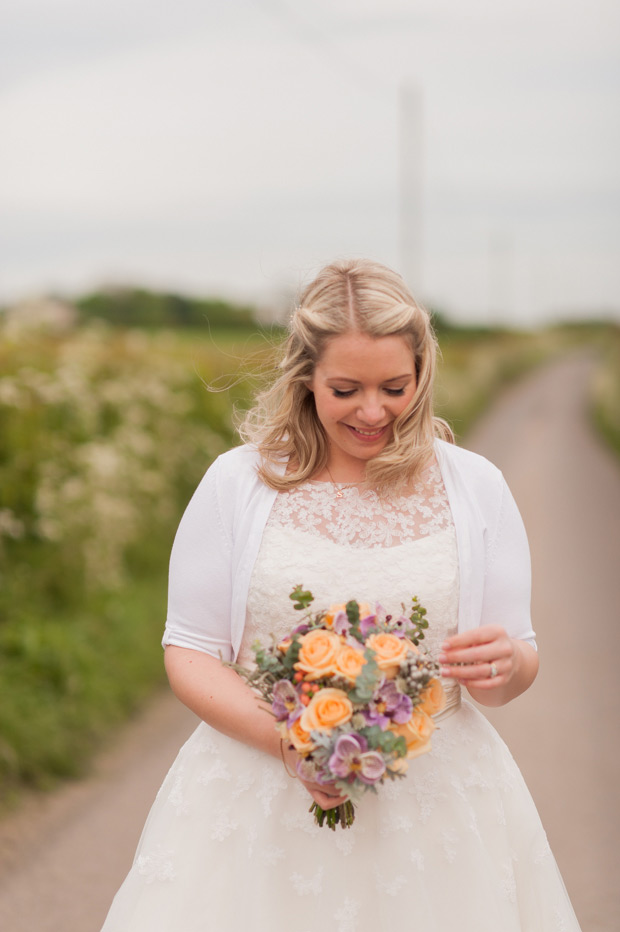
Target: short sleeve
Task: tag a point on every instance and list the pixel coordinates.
(508, 578)
(199, 588)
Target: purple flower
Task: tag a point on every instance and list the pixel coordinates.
(388, 704)
(351, 759)
(402, 626)
(341, 623)
(286, 703)
(367, 624)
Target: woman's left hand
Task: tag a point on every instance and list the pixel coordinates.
(483, 658)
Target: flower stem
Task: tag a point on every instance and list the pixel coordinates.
(343, 815)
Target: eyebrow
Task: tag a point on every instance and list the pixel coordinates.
(343, 378)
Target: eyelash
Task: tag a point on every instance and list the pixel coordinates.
(392, 392)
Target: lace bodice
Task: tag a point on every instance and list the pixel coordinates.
(354, 517)
(357, 546)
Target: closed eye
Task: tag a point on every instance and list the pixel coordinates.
(346, 393)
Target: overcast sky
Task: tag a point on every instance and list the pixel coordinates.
(232, 147)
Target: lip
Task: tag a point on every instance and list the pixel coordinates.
(377, 433)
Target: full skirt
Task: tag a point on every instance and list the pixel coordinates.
(457, 843)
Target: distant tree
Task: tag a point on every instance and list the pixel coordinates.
(138, 307)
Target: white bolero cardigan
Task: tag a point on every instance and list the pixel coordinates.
(219, 536)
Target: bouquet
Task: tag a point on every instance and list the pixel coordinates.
(352, 693)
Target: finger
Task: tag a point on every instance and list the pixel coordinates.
(483, 635)
(470, 673)
(486, 653)
(327, 801)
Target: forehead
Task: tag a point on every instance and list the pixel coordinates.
(352, 355)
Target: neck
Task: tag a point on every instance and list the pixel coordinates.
(339, 474)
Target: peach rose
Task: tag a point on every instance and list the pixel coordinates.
(300, 739)
(318, 653)
(349, 662)
(327, 709)
(433, 698)
(416, 732)
(390, 652)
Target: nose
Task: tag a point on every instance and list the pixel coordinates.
(371, 410)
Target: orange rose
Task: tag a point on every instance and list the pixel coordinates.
(416, 732)
(318, 653)
(300, 738)
(349, 662)
(433, 698)
(390, 652)
(328, 708)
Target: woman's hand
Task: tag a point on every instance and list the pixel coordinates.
(494, 667)
(325, 794)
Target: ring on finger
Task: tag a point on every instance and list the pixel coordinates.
(493, 671)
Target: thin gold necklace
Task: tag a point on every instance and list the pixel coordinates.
(339, 492)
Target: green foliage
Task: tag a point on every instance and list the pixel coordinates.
(137, 307)
(386, 741)
(103, 438)
(366, 682)
(419, 621)
(301, 597)
(353, 612)
(605, 397)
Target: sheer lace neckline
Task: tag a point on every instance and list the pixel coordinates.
(355, 516)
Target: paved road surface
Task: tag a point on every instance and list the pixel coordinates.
(62, 857)
(563, 732)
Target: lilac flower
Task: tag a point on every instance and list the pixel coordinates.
(388, 704)
(401, 627)
(367, 624)
(351, 758)
(302, 628)
(341, 623)
(286, 703)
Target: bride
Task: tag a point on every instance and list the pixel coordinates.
(348, 485)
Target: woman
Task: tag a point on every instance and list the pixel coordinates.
(350, 486)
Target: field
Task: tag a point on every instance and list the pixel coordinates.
(104, 434)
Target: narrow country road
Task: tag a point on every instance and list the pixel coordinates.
(563, 731)
(62, 857)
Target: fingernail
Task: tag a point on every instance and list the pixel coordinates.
(442, 658)
(445, 671)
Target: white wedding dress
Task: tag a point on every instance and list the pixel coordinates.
(457, 844)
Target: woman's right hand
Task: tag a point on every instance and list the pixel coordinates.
(326, 795)
(219, 696)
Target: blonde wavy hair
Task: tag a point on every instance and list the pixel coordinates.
(349, 296)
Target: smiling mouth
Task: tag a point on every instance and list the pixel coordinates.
(375, 432)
